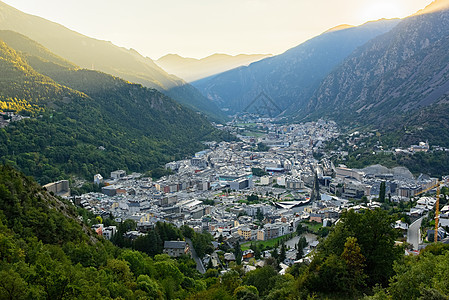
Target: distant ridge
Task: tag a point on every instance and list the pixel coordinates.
(191, 69)
(435, 6)
(339, 27)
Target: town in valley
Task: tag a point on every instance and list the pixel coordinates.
(274, 184)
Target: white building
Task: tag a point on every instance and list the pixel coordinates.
(98, 179)
(109, 231)
(118, 174)
(265, 180)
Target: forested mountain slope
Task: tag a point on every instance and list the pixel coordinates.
(85, 122)
(104, 56)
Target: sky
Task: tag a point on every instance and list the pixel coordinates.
(198, 28)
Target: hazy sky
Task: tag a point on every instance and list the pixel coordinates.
(197, 28)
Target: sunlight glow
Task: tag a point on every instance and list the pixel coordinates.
(382, 9)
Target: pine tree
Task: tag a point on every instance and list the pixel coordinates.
(299, 253)
(315, 195)
(238, 253)
(283, 254)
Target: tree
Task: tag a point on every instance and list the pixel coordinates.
(258, 172)
(422, 277)
(299, 253)
(187, 231)
(302, 243)
(376, 238)
(202, 242)
(12, 286)
(300, 229)
(252, 198)
(231, 280)
(238, 253)
(256, 250)
(245, 292)
(355, 262)
(209, 264)
(382, 192)
(282, 254)
(263, 279)
(150, 286)
(151, 243)
(315, 195)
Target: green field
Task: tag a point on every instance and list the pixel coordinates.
(312, 226)
(267, 244)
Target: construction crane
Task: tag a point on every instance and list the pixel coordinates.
(437, 206)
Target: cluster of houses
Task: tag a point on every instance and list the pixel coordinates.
(211, 191)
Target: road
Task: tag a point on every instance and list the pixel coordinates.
(199, 263)
(292, 242)
(414, 233)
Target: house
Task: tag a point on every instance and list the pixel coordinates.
(247, 254)
(176, 248)
(271, 231)
(245, 232)
(98, 179)
(431, 234)
(109, 231)
(316, 218)
(228, 257)
(98, 228)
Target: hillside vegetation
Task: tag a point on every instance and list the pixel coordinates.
(85, 122)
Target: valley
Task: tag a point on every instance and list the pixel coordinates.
(318, 172)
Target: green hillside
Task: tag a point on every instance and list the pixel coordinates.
(104, 56)
(85, 122)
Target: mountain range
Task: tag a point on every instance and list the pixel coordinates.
(192, 69)
(399, 79)
(389, 75)
(104, 56)
(84, 122)
(292, 77)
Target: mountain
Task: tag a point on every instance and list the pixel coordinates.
(398, 79)
(191, 69)
(292, 77)
(103, 56)
(84, 122)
